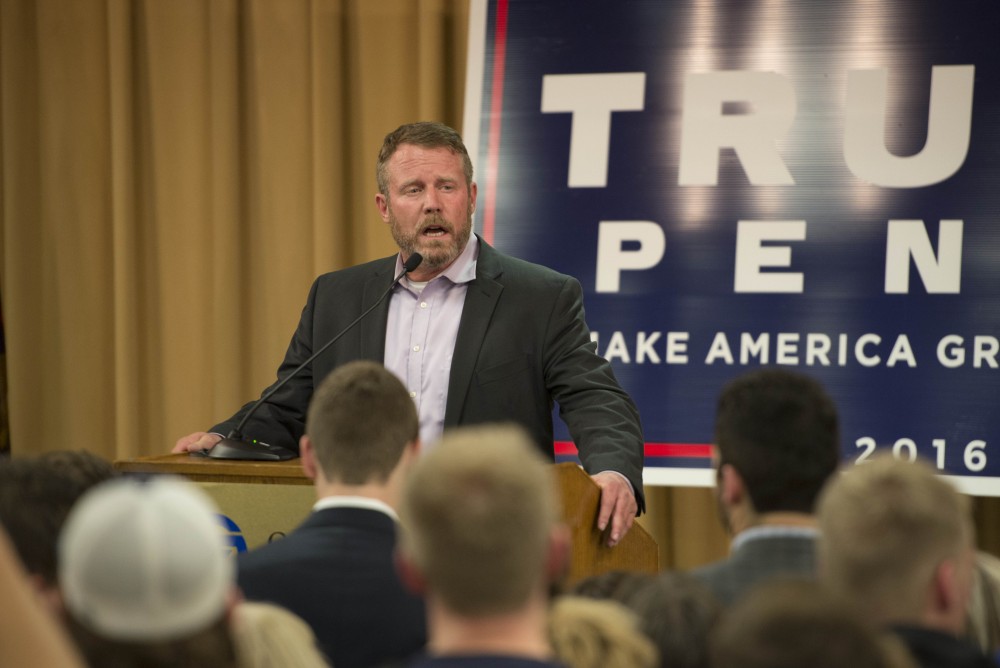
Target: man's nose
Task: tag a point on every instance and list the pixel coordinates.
(432, 202)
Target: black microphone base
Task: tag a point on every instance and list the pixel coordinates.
(233, 448)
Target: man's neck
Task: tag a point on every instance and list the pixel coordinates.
(520, 633)
(384, 493)
(744, 521)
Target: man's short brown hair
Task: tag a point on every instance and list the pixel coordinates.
(360, 420)
(425, 134)
(779, 429)
(478, 513)
(36, 495)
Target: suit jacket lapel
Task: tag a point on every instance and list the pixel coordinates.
(374, 325)
(480, 302)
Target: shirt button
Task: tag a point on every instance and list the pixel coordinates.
(416, 349)
(423, 304)
(413, 395)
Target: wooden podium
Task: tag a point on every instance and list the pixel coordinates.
(264, 500)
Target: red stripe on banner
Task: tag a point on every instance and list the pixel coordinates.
(652, 449)
(496, 109)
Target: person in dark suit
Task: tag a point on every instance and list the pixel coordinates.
(336, 569)
(777, 441)
(475, 335)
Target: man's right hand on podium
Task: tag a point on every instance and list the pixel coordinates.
(197, 441)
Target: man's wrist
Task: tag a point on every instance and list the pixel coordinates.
(623, 477)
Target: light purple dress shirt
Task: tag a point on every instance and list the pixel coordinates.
(421, 333)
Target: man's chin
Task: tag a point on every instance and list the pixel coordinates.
(436, 254)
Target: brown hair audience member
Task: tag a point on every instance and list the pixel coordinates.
(898, 541)
(797, 623)
(483, 541)
(592, 633)
(146, 576)
(36, 495)
(336, 569)
(777, 441)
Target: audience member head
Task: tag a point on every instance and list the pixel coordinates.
(777, 442)
(674, 610)
(268, 636)
(36, 495)
(426, 135)
(590, 633)
(480, 514)
(898, 540)
(361, 420)
(791, 624)
(146, 575)
(678, 613)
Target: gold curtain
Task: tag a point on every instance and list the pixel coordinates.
(175, 174)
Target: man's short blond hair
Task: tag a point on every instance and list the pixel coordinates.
(478, 511)
(885, 526)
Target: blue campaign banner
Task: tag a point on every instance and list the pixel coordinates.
(741, 183)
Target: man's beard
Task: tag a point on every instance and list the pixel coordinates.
(437, 253)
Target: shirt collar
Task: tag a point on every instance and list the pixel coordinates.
(365, 502)
(772, 531)
(462, 270)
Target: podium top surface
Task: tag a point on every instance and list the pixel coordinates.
(203, 469)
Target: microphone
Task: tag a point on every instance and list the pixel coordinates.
(235, 445)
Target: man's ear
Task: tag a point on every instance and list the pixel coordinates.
(732, 489)
(409, 574)
(944, 589)
(382, 202)
(308, 455)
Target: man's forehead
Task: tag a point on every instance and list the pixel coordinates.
(440, 159)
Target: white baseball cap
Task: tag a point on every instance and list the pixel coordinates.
(145, 560)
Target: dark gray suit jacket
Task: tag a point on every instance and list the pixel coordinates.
(522, 344)
(758, 560)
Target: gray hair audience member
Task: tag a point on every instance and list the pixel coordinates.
(777, 441)
(674, 610)
(898, 541)
(36, 495)
(336, 569)
(678, 613)
(484, 543)
(146, 576)
(620, 586)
